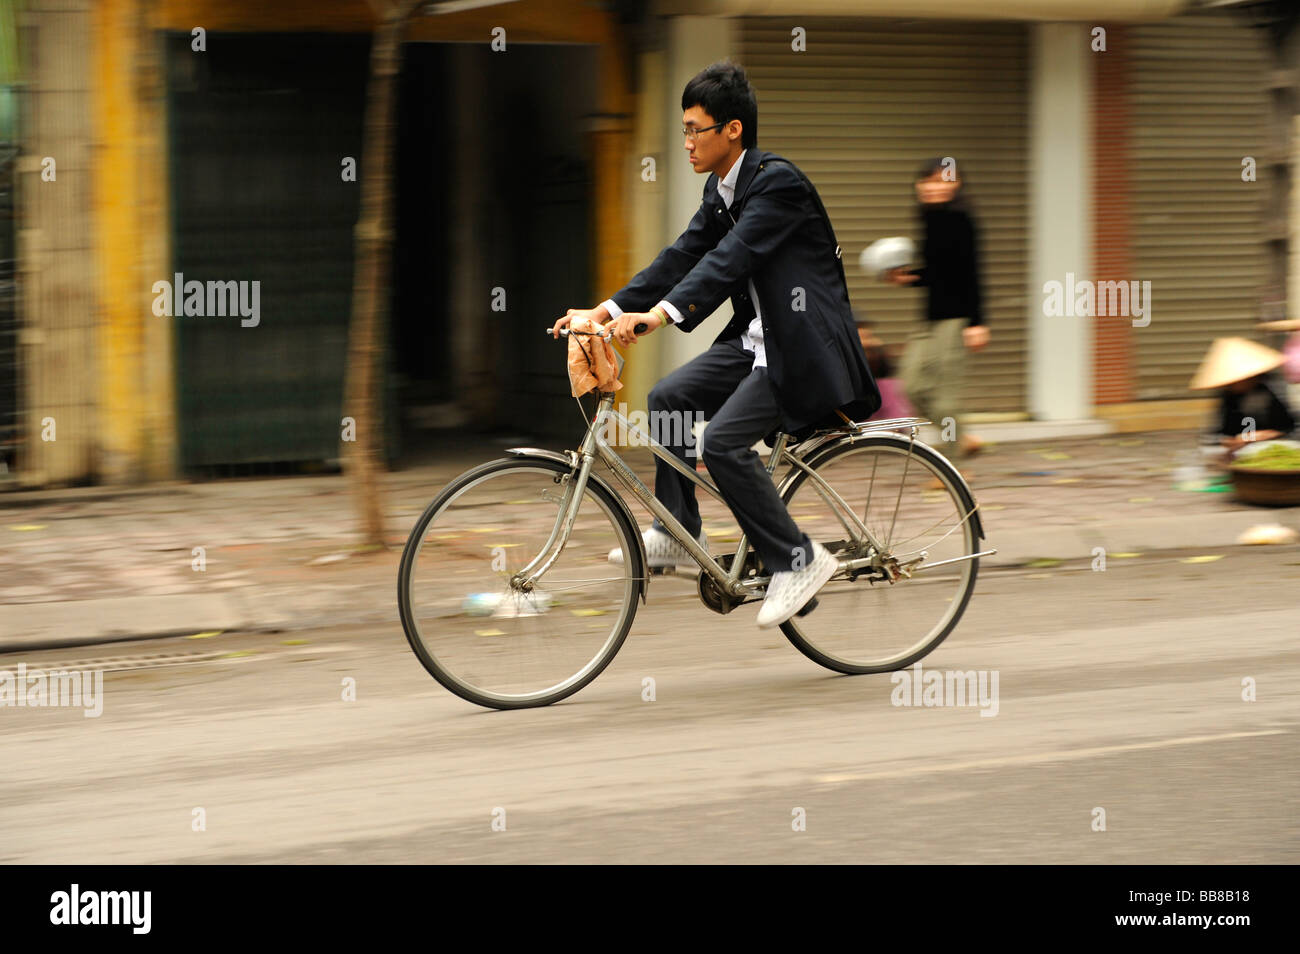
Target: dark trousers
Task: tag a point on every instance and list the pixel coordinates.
(738, 402)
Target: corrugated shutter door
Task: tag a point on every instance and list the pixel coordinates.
(1200, 104)
(862, 108)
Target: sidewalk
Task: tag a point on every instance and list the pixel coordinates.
(98, 564)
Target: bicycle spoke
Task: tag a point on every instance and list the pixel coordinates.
(876, 619)
(474, 629)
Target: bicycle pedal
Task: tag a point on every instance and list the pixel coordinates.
(808, 607)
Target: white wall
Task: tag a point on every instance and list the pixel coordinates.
(1060, 228)
(692, 43)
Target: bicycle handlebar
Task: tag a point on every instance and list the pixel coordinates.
(640, 329)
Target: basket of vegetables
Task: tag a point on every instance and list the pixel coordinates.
(1268, 474)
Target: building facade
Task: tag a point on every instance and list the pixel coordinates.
(538, 164)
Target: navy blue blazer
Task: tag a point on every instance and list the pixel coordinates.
(774, 233)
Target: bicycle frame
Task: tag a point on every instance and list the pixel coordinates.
(595, 445)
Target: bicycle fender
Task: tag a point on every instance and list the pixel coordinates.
(604, 485)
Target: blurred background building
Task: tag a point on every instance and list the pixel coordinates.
(553, 168)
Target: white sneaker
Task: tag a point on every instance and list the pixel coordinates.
(790, 590)
(662, 550)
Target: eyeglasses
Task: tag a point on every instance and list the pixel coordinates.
(691, 133)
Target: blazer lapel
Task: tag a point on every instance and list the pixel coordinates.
(748, 166)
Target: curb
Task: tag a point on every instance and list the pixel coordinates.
(58, 625)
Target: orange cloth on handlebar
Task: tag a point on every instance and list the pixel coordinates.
(591, 360)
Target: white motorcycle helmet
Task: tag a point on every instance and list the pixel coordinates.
(880, 256)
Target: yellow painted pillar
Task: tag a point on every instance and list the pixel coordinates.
(137, 421)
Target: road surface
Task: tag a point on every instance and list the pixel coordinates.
(1119, 691)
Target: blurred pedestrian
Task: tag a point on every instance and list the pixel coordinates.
(934, 364)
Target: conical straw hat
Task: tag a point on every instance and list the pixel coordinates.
(1234, 359)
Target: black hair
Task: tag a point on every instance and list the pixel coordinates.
(935, 164)
(722, 90)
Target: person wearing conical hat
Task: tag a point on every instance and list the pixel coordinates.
(1249, 409)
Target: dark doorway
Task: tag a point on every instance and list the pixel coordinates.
(494, 197)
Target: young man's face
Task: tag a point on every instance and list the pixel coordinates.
(715, 150)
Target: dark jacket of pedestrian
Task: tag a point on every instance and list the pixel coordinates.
(951, 272)
(1260, 405)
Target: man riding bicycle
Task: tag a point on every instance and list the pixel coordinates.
(788, 359)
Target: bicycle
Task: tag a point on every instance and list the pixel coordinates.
(508, 599)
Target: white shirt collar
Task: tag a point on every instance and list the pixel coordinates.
(732, 175)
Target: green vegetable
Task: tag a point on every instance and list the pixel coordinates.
(1277, 457)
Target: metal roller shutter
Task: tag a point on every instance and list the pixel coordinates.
(867, 102)
(1200, 104)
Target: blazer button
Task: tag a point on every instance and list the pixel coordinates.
(690, 308)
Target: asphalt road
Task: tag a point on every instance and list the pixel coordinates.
(1118, 690)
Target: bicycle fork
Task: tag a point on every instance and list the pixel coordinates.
(576, 482)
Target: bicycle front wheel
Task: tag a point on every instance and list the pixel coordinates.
(474, 628)
(889, 614)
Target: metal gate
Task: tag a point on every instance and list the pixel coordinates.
(1199, 105)
(9, 69)
(259, 126)
(9, 423)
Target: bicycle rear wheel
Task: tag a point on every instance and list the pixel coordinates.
(877, 619)
(475, 630)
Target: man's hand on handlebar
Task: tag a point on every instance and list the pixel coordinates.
(598, 315)
(630, 325)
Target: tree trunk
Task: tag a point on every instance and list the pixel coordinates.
(363, 388)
